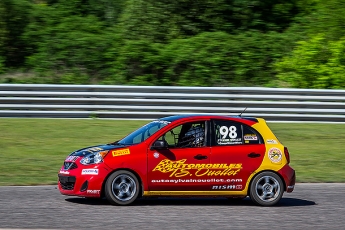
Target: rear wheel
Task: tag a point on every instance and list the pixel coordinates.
(122, 188)
(266, 189)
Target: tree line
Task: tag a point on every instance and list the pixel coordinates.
(274, 43)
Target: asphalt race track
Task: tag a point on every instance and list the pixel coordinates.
(310, 206)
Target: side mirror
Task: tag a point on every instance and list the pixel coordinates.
(159, 144)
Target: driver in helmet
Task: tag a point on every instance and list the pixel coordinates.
(194, 137)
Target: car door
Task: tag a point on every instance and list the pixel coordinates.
(240, 149)
(175, 168)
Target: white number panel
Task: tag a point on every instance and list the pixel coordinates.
(229, 135)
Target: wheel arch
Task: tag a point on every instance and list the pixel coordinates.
(275, 172)
(141, 185)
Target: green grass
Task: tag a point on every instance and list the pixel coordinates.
(33, 150)
(316, 150)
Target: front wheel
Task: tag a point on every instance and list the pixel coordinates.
(122, 188)
(266, 189)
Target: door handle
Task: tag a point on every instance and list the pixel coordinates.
(200, 157)
(254, 155)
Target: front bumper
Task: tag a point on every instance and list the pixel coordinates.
(75, 182)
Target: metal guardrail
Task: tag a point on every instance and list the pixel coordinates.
(149, 102)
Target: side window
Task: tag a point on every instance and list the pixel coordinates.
(188, 135)
(251, 136)
(228, 132)
(171, 137)
(234, 133)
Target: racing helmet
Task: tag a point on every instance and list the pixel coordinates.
(196, 134)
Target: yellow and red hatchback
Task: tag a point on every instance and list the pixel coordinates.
(186, 155)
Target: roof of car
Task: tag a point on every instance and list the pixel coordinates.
(178, 117)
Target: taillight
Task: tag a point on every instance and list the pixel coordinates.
(287, 154)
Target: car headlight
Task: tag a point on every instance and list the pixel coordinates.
(94, 158)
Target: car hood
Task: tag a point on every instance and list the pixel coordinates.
(91, 149)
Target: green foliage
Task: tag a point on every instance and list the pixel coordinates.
(318, 59)
(316, 63)
(210, 58)
(138, 62)
(2, 66)
(161, 20)
(105, 10)
(13, 21)
(244, 15)
(328, 18)
(223, 61)
(182, 42)
(72, 50)
(3, 29)
(3, 35)
(136, 21)
(71, 41)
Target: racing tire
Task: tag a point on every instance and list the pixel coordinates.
(122, 188)
(266, 189)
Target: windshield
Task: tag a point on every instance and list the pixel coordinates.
(143, 133)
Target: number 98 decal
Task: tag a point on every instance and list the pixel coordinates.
(229, 135)
(225, 131)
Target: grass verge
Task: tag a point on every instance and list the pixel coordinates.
(32, 150)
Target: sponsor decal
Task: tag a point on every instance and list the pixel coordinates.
(238, 186)
(291, 186)
(213, 180)
(228, 136)
(156, 155)
(89, 172)
(250, 137)
(228, 187)
(71, 158)
(93, 192)
(63, 172)
(180, 169)
(275, 155)
(120, 152)
(234, 141)
(271, 141)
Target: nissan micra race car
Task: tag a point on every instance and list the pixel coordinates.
(187, 155)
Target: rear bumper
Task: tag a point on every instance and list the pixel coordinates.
(289, 176)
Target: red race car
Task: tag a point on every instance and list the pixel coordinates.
(186, 155)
